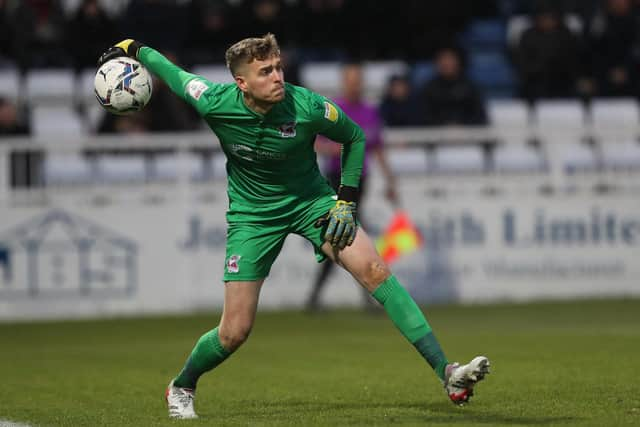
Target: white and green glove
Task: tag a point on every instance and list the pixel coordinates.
(342, 227)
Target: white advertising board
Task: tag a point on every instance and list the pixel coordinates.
(84, 261)
(90, 261)
(519, 247)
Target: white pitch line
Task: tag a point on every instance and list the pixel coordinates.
(8, 423)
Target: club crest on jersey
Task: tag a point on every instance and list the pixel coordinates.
(330, 112)
(196, 88)
(232, 264)
(288, 130)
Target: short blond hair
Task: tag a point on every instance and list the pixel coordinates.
(247, 50)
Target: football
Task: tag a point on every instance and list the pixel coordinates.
(123, 85)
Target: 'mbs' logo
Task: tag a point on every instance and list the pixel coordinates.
(232, 264)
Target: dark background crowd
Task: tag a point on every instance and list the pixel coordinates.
(460, 51)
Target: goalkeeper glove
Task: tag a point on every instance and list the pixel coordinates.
(342, 227)
(128, 47)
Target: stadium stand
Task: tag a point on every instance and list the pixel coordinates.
(172, 166)
(560, 113)
(592, 134)
(615, 113)
(50, 86)
(10, 84)
(518, 24)
(453, 159)
(86, 94)
(485, 34)
(214, 73)
(324, 77)
(622, 155)
(508, 112)
(122, 169)
(492, 72)
(577, 157)
(409, 161)
(93, 115)
(56, 119)
(518, 158)
(378, 73)
(67, 169)
(421, 72)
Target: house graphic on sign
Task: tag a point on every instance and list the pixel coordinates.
(62, 254)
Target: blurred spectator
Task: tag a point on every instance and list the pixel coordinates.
(91, 32)
(291, 66)
(268, 16)
(161, 23)
(166, 112)
(547, 58)
(451, 98)
(398, 106)
(369, 32)
(328, 44)
(12, 122)
(6, 37)
(25, 166)
(615, 41)
(129, 124)
(582, 8)
(39, 33)
(367, 117)
(485, 8)
(211, 31)
(427, 26)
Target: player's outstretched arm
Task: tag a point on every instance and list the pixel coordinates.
(175, 77)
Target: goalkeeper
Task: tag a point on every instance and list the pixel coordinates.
(266, 128)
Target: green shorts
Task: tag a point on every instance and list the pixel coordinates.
(254, 243)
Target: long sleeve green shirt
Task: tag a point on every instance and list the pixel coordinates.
(271, 161)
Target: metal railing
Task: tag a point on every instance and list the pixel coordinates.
(204, 146)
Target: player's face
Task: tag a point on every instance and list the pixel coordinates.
(263, 80)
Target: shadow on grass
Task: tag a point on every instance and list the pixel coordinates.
(447, 412)
(288, 411)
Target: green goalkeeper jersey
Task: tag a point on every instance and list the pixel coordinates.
(271, 162)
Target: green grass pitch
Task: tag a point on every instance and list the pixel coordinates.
(564, 364)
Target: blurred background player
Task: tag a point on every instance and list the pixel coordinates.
(367, 117)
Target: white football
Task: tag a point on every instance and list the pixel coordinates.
(123, 85)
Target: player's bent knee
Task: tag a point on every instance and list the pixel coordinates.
(377, 272)
(234, 337)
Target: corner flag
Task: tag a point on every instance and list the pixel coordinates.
(399, 238)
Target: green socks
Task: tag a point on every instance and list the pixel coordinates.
(401, 308)
(206, 355)
(407, 317)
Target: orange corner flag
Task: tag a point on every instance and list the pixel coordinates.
(399, 238)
